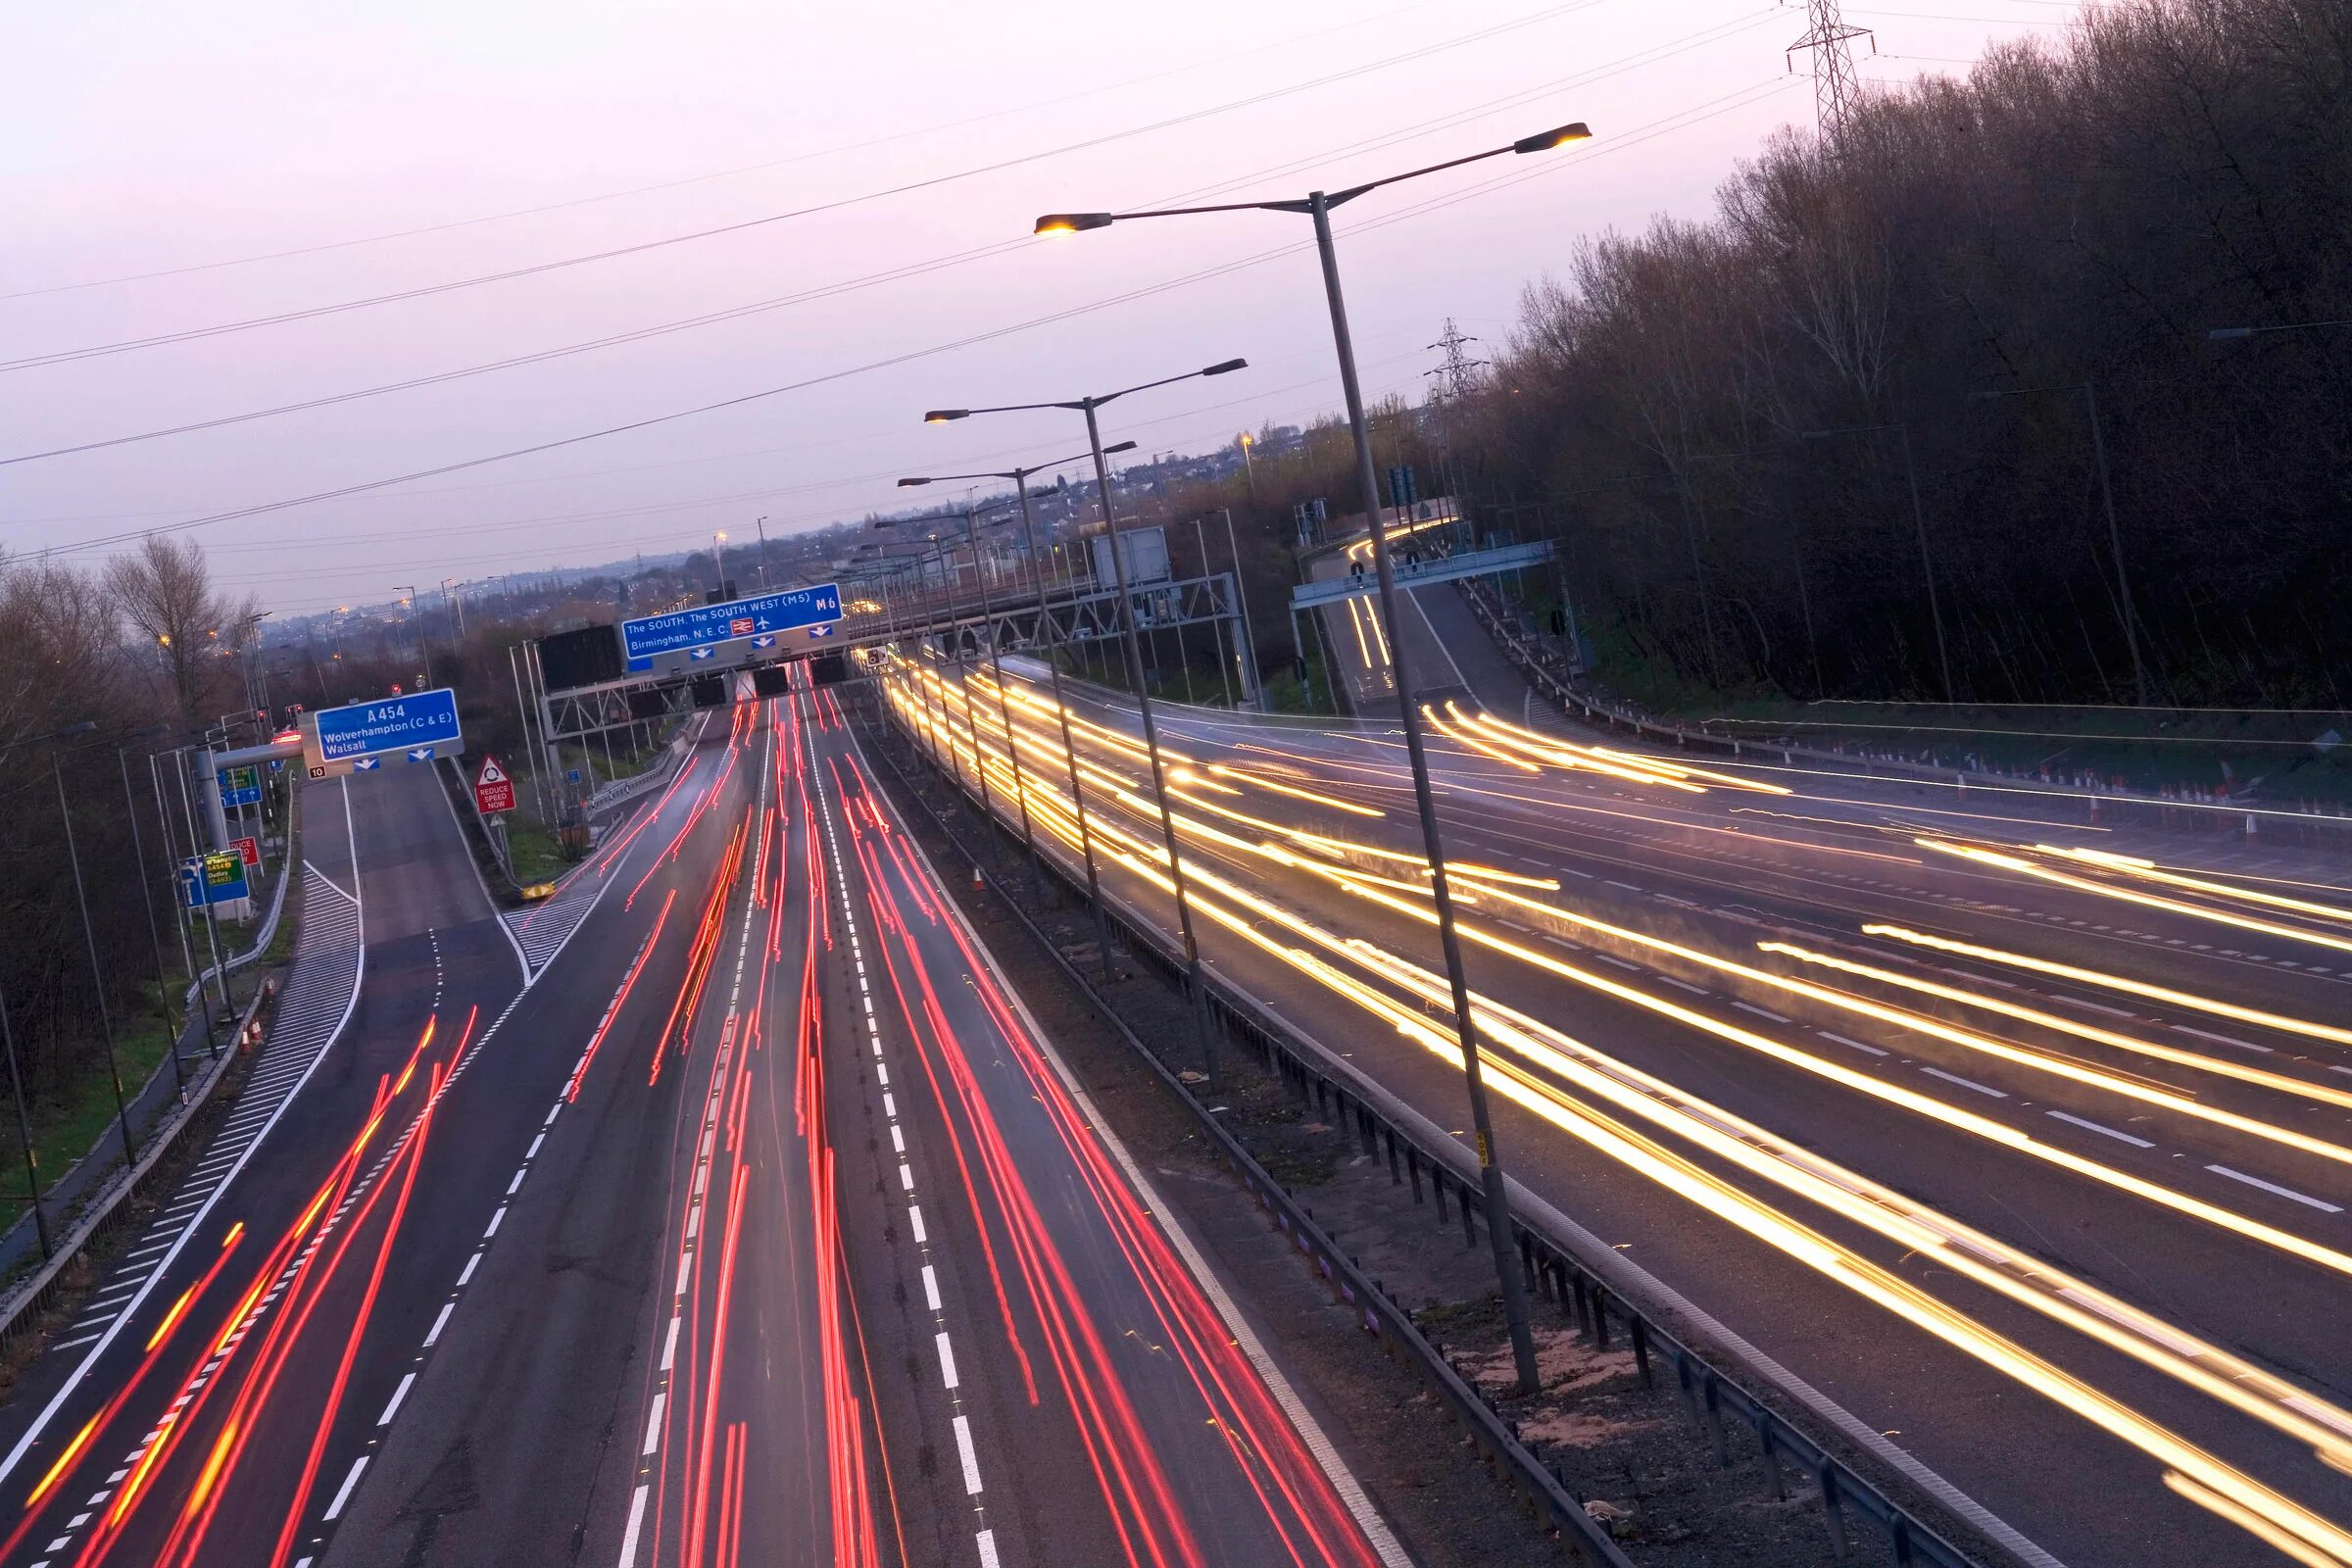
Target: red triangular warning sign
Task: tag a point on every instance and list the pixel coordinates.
(491, 772)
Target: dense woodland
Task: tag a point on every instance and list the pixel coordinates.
(2068, 223)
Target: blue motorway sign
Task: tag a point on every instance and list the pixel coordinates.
(707, 625)
(419, 721)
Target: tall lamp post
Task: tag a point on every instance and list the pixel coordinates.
(1317, 206)
(1061, 711)
(2126, 612)
(1135, 660)
(89, 938)
(425, 649)
(1918, 522)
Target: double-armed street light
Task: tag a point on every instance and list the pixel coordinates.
(1317, 206)
(1069, 749)
(1135, 661)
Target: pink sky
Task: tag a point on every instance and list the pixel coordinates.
(137, 138)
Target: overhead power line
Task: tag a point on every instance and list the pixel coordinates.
(540, 269)
(1729, 102)
(449, 225)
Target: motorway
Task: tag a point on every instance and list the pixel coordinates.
(723, 1208)
(2020, 1144)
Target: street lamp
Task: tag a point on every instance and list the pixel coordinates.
(425, 649)
(1069, 748)
(1919, 521)
(1249, 468)
(1135, 658)
(1317, 206)
(718, 551)
(2125, 612)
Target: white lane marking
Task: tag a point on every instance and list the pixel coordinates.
(628, 1539)
(2108, 1132)
(946, 1358)
(931, 1287)
(2220, 1040)
(971, 1460)
(1827, 1034)
(398, 1395)
(915, 1218)
(2095, 1007)
(669, 1346)
(1761, 1013)
(1685, 985)
(653, 1423)
(988, 1548)
(1965, 1083)
(439, 1323)
(465, 1274)
(2322, 1206)
(343, 1492)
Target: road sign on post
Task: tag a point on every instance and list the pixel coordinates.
(708, 626)
(418, 726)
(249, 850)
(493, 790)
(217, 878)
(240, 786)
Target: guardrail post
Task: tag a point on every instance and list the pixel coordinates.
(1641, 1334)
(1831, 1511)
(1412, 1168)
(1772, 1459)
(1469, 1222)
(1712, 1402)
(1436, 1188)
(1390, 1134)
(1601, 1317)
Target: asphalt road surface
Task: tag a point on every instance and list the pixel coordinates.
(722, 1209)
(2019, 1143)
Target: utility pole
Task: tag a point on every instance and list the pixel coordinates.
(1836, 88)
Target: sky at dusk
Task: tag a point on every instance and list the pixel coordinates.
(407, 147)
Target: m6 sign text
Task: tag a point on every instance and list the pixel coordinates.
(493, 788)
(696, 631)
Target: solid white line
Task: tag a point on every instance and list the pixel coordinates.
(343, 1492)
(2081, 1121)
(39, 1423)
(2273, 1187)
(1965, 1083)
(398, 1395)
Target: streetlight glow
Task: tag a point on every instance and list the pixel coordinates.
(942, 416)
(1057, 224)
(1579, 131)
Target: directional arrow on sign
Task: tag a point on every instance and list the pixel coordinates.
(365, 765)
(821, 631)
(697, 655)
(764, 642)
(421, 754)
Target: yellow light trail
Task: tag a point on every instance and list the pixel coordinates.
(2105, 890)
(2132, 865)
(2219, 1066)
(2116, 982)
(1911, 1225)
(2242, 1500)
(1297, 793)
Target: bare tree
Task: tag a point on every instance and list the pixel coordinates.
(165, 590)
